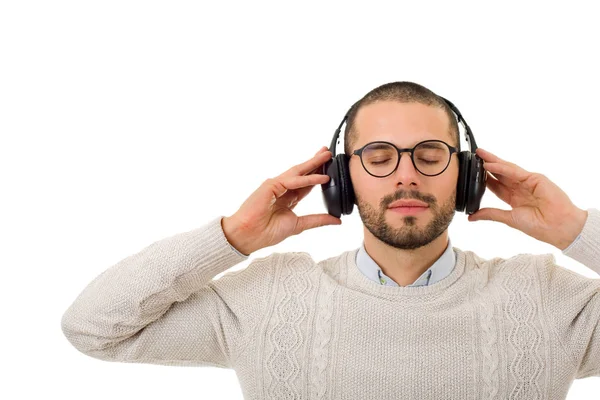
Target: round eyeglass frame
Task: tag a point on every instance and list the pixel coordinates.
(452, 150)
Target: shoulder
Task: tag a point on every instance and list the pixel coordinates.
(282, 264)
(556, 277)
(526, 264)
(270, 263)
(554, 280)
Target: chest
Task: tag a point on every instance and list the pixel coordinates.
(493, 343)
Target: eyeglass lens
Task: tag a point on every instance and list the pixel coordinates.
(430, 158)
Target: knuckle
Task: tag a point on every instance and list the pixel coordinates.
(269, 182)
(296, 168)
(280, 185)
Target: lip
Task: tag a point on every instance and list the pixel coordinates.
(408, 210)
(408, 203)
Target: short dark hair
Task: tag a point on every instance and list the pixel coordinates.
(404, 92)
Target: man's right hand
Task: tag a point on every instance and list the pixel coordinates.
(266, 217)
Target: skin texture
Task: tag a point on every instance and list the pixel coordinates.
(404, 246)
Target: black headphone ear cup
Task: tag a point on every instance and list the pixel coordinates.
(351, 193)
(476, 184)
(464, 161)
(331, 190)
(347, 190)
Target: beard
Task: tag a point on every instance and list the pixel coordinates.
(409, 236)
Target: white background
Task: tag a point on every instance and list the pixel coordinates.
(123, 122)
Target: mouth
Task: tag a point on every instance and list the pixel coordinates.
(408, 210)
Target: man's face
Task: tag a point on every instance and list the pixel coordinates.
(404, 125)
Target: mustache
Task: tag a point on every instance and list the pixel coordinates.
(411, 195)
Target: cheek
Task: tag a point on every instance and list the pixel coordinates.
(447, 185)
(452, 175)
(355, 177)
(365, 188)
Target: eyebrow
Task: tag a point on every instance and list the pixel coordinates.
(428, 145)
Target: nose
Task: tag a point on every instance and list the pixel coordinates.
(406, 172)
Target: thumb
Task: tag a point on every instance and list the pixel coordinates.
(316, 220)
(491, 214)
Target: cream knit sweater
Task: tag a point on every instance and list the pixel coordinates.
(292, 328)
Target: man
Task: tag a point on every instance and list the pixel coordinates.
(519, 328)
(403, 242)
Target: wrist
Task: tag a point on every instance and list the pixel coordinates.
(234, 235)
(573, 228)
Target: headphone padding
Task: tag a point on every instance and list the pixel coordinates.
(347, 191)
(464, 161)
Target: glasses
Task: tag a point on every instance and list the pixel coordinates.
(430, 157)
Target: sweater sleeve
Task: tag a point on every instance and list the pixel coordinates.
(161, 305)
(572, 301)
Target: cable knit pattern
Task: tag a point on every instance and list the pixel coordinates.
(286, 337)
(485, 311)
(523, 338)
(293, 328)
(323, 333)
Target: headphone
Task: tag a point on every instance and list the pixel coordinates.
(338, 193)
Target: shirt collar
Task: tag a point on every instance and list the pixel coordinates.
(438, 271)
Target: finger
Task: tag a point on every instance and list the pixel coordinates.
(326, 154)
(493, 214)
(511, 171)
(311, 166)
(502, 179)
(313, 221)
(283, 184)
(321, 150)
(487, 156)
(303, 192)
(498, 188)
(316, 170)
(298, 195)
(490, 158)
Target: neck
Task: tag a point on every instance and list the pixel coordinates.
(405, 266)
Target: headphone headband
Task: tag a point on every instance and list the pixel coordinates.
(469, 135)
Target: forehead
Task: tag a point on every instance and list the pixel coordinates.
(403, 124)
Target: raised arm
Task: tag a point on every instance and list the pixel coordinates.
(161, 305)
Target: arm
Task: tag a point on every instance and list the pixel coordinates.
(586, 247)
(161, 305)
(572, 301)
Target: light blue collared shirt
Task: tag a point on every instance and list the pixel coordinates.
(438, 271)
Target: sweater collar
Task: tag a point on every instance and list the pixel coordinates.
(440, 269)
(355, 279)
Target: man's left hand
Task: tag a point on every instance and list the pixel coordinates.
(539, 207)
